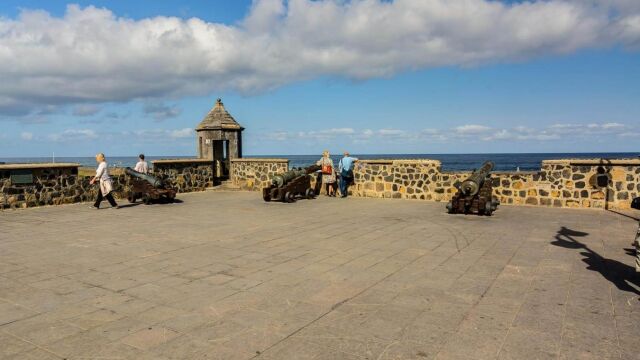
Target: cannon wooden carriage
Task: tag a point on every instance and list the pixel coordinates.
(475, 194)
(292, 185)
(148, 188)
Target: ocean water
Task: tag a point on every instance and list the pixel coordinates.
(504, 162)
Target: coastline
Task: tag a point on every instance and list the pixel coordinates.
(450, 162)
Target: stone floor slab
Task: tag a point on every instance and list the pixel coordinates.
(228, 276)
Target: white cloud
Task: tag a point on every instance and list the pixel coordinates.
(85, 110)
(612, 126)
(182, 133)
(342, 131)
(26, 136)
(161, 111)
(468, 133)
(584, 130)
(92, 55)
(72, 135)
(471, 129)
(391, 132)
(158, 135)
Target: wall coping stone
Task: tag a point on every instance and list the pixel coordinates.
(400, 161)
(18, 166)
(501, 172)
(513, 172)
(605, 162)
(182, 161)
(261, 160)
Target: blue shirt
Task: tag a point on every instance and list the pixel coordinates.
(346, 163)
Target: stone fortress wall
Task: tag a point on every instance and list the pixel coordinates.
(559, 183)
(255, 174)
(51, 184)
(186, 175)
(56, 184)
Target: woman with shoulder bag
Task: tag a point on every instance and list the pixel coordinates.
(328, 173)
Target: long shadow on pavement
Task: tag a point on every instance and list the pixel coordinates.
(155, 202)
(616, 272)
(625, 215)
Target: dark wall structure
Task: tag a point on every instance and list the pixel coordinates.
(29, 185)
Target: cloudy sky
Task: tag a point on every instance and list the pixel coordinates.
(371, 76)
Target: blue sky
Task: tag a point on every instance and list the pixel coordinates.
(409, 76)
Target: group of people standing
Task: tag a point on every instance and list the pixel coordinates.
(332, 178)
(106, 183)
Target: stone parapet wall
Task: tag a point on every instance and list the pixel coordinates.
(572, 183)
(187, 175)
(398, 179)
(56, 184)
(255, 174)
(559, 183)
(53, 184)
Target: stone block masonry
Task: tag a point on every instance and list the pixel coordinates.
(559, 183)
(56, 184)
(186, 175)
(46, 184)
(255, 174)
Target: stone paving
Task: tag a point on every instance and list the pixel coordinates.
(227, 276)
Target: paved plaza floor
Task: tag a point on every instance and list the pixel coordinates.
(224, 275)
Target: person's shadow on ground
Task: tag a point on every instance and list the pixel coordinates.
(621, 275)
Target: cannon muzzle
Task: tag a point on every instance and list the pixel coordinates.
(473, 183)
(154, 181)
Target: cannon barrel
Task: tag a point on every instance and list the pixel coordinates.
(473, 183)
(280, 180)
(154, 181)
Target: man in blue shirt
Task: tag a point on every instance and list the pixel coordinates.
(345, 169)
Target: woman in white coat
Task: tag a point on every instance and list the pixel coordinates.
(106, 184)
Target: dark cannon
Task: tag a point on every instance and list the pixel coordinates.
(293, 184)
(148, 188)
(475, 194)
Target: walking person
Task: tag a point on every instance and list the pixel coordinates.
(106, 184)
(345, 168)
(328, 173)
(141, 165)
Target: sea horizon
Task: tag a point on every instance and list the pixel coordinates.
(503, 161)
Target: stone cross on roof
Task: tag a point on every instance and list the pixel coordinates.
(218, 118)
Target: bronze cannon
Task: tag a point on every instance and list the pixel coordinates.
(148, 188)
(475, 194)
(291, 185)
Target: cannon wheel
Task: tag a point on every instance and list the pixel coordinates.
(289, 197)
(487, 208)
(309, 193)
(131, 199)
(266, 196)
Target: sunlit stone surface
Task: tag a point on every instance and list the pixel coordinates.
(224, 275)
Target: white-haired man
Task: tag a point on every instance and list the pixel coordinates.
(345, 168)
